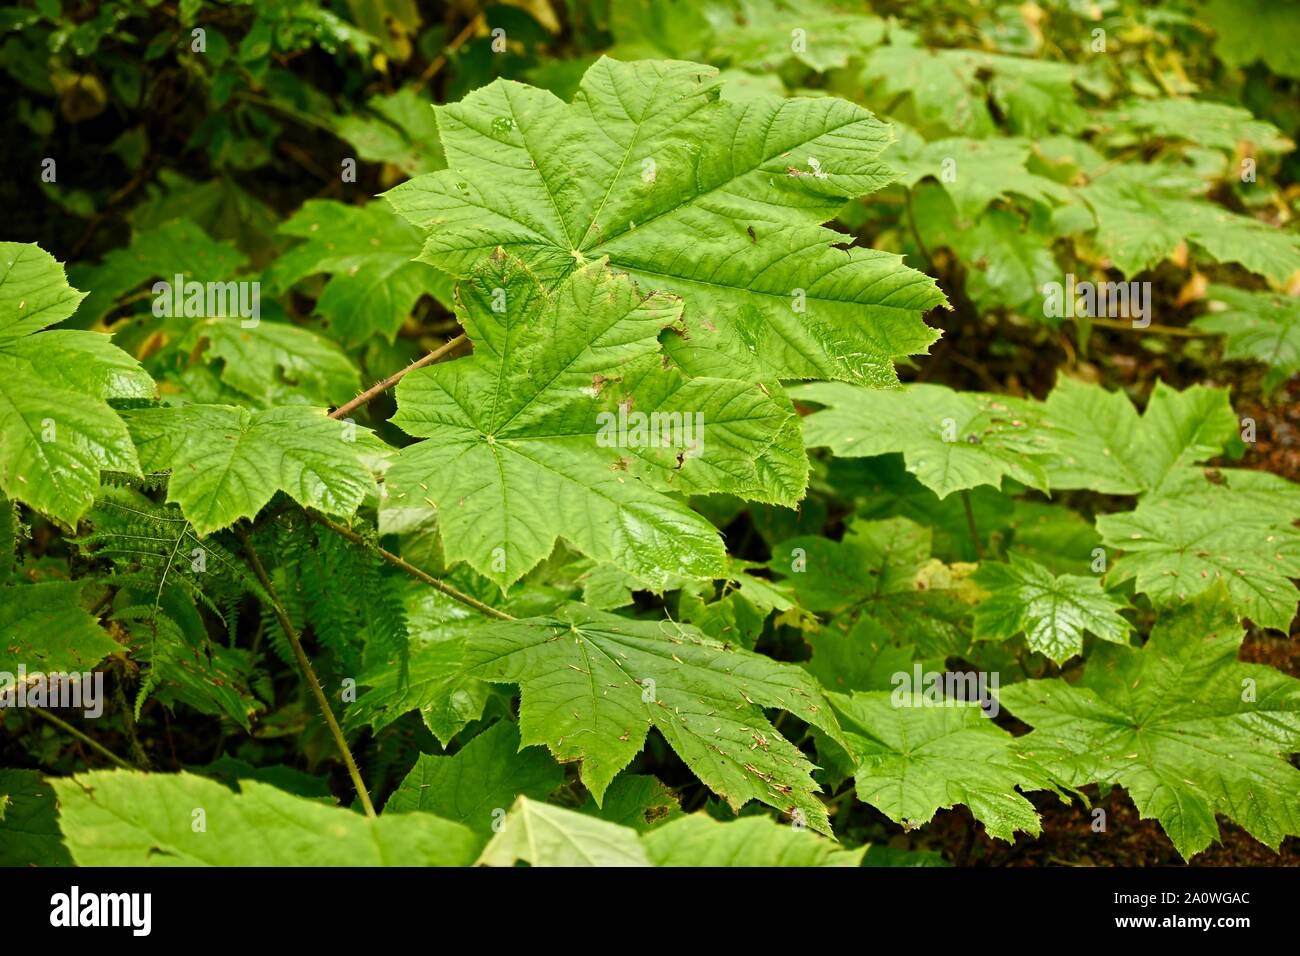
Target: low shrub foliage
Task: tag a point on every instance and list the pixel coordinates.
(801, 434)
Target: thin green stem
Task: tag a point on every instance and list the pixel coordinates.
(970, 525)
(1128, 326)
(916, 235)
(308, 673)
(284, 110)
(89, 741)
(345, 532)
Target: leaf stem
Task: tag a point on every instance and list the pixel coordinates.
(308, 673)
(1128, 325)
(283, 109)
(345, 532)
(970, 524)
(89, 741)
(393, 379)
(440, 60)
(916, 235)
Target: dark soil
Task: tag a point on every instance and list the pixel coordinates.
(1068, 839)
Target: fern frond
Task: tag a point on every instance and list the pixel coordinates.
(155, 551)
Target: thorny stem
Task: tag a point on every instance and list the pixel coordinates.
(345, 532)
(970, 524)
(308, 673)
(91, 742)
(393, 379)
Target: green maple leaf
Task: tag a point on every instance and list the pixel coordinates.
(57, 432)
(864, 656)
(1203, 123)
(543, 835)
(178, 247)
(976, 172)
(1103, 445)
(1187, 533)
(367, 252)
(47, 630)
(1052, 611)
(435, 683)
(1195, 535)
(718, 201)
(1184, 727)
(753, 34)
(950, 440)
(912, 757)
(276, 363)
(226, 462)
(1260, 326)
(400, 130)
(951, 89)
(127, 818)
(635, 800)
(1008, 256)
(483, 777)
(1250, 30)
(882, 571)
(29, 821)
(534, 415)
(592, 684)
(699, 840)
(1144, 212)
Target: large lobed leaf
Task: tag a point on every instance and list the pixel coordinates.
(520, 422)
(1142, 218)
(950, 440)
(720, 202)
(912, 756)
(367, 252)
(1052, 611)
(544, 835)
(1197, 534)
(1264, 326)
(47, 631)
(127, 818)
(57, 432)
(1104, 445)
(592, 684)
(477, 783)
(1181, 724)
(227, 462)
